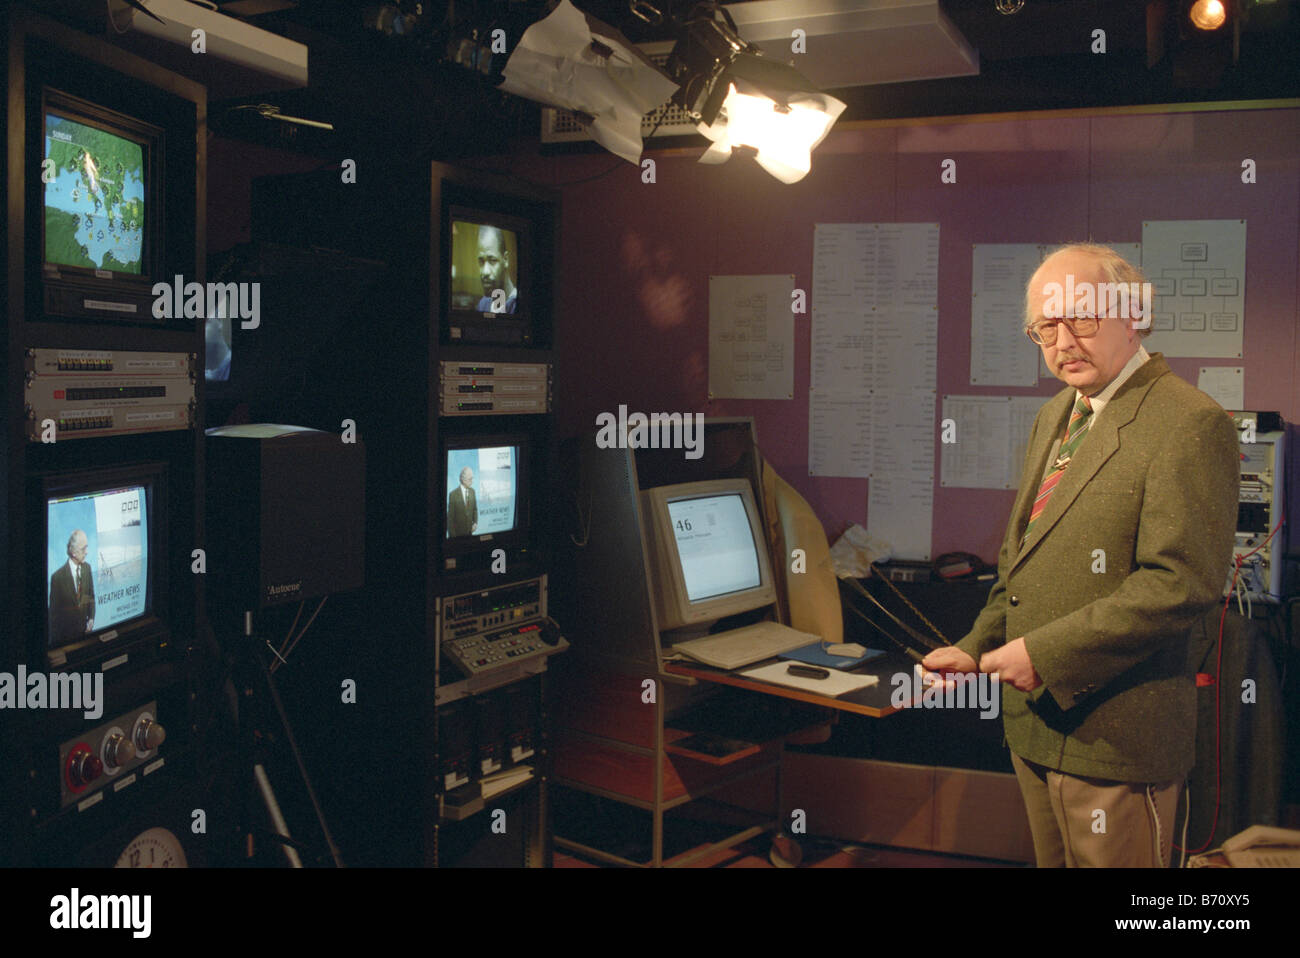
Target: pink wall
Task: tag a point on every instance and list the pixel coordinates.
(636, 258)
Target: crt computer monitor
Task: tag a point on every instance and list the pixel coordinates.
(100, 219)
(707, 551)
(489, 279)
(485, 496)
(101, 569)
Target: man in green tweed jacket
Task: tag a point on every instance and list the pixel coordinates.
(1119, 540)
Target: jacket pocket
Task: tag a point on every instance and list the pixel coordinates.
(1111, 487)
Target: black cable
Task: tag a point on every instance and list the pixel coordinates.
(905, 648)
(919, 637)
(596, 176)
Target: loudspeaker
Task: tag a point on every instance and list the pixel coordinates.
(286, 516)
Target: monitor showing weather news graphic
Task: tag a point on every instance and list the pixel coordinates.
(484, 267)
(97, 562)
(94, 197)
(715, 545)
(482, 491)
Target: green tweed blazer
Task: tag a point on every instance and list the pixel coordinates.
(1132, 548)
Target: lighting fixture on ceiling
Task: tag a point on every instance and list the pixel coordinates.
(1207, 14)
(1204, 42)
(741, 99)
(573, 61)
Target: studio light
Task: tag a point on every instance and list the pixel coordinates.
(1207, 14)
(745, 100)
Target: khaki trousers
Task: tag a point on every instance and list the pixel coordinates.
(1094, 823)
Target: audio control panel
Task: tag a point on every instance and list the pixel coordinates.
(475, 612)
(484, 389)
(483, 652)
(110, 756)
(107, 392)
(499, 632)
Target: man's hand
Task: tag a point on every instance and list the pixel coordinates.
(1012, 664)
(948, 659)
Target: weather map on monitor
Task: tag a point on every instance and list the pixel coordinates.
(97, 562)
(482, 490)
(94, 197)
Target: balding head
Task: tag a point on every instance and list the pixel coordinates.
(77, 546)
(1080, 285)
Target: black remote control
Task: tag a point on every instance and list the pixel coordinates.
(808, 672)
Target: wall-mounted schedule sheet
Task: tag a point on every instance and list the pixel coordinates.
(874, 349)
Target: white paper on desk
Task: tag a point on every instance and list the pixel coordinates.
(555, 63)
(836, 684)
(854, 552)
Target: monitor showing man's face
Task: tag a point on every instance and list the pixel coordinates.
(493, 260)
(78, 546)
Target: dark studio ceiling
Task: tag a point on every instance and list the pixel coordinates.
(387, 84)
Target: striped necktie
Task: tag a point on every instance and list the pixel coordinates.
(1074, 436)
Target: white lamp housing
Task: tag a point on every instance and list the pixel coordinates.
(783, 137)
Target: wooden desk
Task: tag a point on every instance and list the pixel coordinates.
(625, 754)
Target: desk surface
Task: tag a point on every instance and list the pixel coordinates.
(873, 701)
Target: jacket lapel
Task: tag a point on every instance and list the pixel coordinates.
(1101, 444)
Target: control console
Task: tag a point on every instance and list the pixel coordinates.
(496, 635)
(109, 755)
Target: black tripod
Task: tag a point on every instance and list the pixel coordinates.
(259, 716)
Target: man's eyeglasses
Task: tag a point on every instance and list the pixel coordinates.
(1081, 327)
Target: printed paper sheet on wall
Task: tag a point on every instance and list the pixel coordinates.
(751, 337)
(982, 440)
(874, 348)
(1197, 271)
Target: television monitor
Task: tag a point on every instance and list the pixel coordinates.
(102, 569)
(100, 215)
(488, 277)
(484, 495)
(708, 555)
(218, 333)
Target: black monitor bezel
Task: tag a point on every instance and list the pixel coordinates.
(469, 325)
(478, 545)
(147, 627)
(65, 289)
